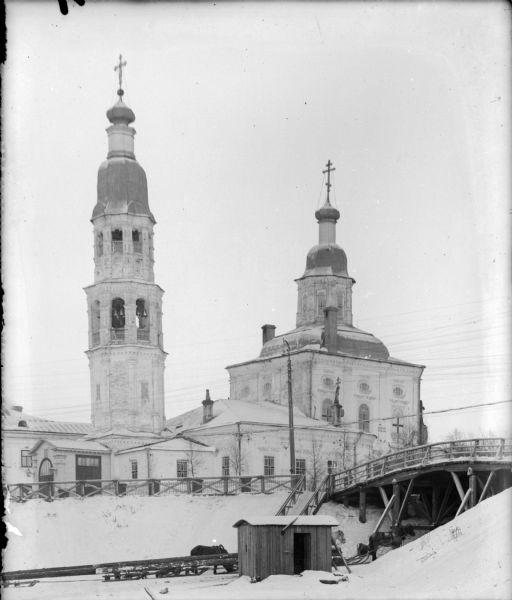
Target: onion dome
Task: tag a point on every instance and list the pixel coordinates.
(327, 213)
(326, 259)
(120, 114)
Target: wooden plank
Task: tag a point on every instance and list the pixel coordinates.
(405, 501)
(458, 484)
(486, 486)
(384, 514)
(448, 490)
(464, 502)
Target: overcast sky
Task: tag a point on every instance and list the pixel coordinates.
(238, 108)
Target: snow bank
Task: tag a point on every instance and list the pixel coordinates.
(105, 529)
(469, 557)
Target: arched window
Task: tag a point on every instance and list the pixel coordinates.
(137, 241)
(327, 409)
(117, 240)
(118, 320)
(142, 320)
(320, 300)
(99, 244)
(364, 417)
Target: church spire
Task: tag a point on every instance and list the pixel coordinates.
(120, 114)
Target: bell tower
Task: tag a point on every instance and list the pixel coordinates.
(126, 355)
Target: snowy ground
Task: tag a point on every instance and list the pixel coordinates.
(468, 558)
(105, 529)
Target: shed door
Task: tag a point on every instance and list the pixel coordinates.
(301, 552)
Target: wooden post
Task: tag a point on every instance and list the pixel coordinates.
(383, 515)
(396, 504)
(405, 501)
(473, 486)
(458, 484)
(362, 506)
(435, 502)
(486, 486)
(263, 483)
(464, 502)
(384, 497)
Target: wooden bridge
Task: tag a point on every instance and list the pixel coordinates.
(435, 482)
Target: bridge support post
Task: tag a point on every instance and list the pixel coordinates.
(473, 486)
(362, 506)
(395, 509)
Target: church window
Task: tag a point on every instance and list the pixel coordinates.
(398, 391)
(118, 320)
(137, 241)
(320, 299)
(268, 465)
(332, 466)
(141, 318)
(225, 466)
(95, 322)
(364, 417)
(134, 467)
(364, 387)
(300, 466)
(327, 409)
(144, 390)
(117, 240)
(99, 244)
(26, 458)
(181, 468)
(340, 299)
(98, 393)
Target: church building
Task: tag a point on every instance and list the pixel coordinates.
(326, 350)
(346, 388)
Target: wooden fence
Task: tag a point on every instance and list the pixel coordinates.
(214, 486)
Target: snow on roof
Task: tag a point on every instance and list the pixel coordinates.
(14, 415)
(72, 445)
(122, 432)
(228, 412)
(289, 520)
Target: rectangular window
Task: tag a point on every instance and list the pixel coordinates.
(134, 469)
(300, 466)
(181, 468)
(88, 461)
(332, 466)
(98, 392)
(144, 390)
(268, 465)
(26, 458)
(225, 466)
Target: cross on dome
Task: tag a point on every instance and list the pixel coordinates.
(328, 171)
(119, 67)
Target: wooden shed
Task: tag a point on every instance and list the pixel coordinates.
(284, 545)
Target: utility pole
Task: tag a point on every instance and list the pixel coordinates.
(290, 411)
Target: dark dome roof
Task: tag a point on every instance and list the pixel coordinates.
(327, 212)
(120, 113)
(326, 259)
(350, 342)
(122, 189)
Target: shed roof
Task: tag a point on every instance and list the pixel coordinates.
(289, 520)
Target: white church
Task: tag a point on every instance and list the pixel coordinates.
(352, 400)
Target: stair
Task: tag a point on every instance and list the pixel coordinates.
(301, 503)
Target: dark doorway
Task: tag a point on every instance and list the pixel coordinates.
(46, 478)
(301, 552)
(88, 467)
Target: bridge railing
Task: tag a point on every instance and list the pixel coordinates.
(494, 449)
(417, 456)
(216, 486)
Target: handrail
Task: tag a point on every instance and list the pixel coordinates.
(291, 499)
(474, 448)
(497, 449)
